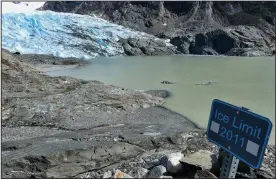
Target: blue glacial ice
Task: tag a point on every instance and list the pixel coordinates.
(63, 34)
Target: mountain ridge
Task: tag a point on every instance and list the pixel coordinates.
(247, 27)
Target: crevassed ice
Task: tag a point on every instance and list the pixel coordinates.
(63, 34)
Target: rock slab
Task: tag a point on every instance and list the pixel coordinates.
(203, 158)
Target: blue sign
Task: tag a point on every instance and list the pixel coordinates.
(238, 131)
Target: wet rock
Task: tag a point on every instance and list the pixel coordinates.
(157, 172)
(120, 174)
(167, 82)
(172, 162)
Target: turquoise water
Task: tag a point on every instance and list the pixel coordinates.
(242, 81)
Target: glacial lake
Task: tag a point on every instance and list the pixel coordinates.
(242, 81)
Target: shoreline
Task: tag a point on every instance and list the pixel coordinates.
(47, 119)
(78, 61)
(62, 63)
(163, 93)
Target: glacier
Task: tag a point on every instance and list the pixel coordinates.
(63, 34)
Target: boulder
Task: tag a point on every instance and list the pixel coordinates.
(157, 172)
(203, 159)
(172, 162)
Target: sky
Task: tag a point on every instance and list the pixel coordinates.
(21, 7)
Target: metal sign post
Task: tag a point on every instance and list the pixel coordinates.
(229, 165)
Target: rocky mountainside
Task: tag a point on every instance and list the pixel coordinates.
(229, 28)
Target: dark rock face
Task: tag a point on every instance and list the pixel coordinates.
(183, 43)
(167, 82)
(215, 27)
(221, 41)
(152, 46)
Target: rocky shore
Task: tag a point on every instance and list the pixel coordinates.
(203, 28)
(67, 127)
